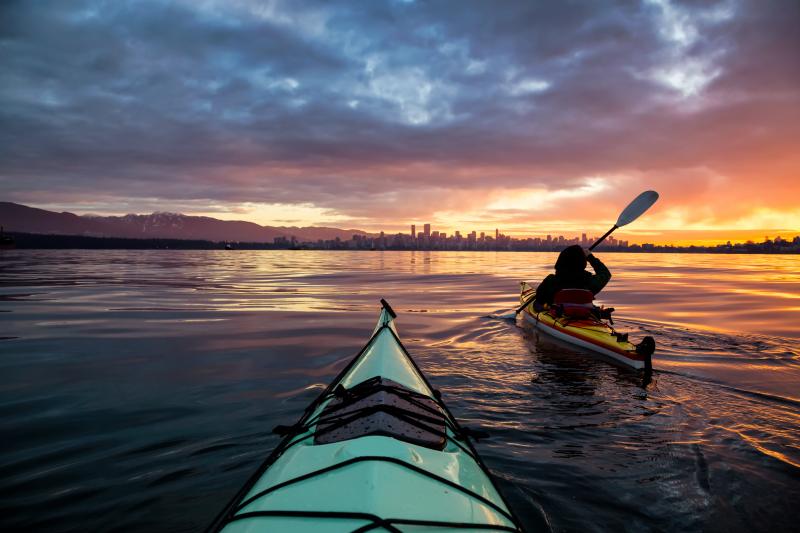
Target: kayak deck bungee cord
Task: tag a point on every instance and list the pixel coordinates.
(591, 333)
(377, 450)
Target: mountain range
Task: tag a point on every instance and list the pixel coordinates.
(24, 219)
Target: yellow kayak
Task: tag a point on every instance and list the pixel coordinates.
(591, 333)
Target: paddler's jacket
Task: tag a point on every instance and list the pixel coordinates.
(573, 280)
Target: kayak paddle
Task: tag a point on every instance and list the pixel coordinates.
(635, 209)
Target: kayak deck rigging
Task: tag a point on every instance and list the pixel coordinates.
(380, 406)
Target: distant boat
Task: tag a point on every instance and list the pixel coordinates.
(6, 241)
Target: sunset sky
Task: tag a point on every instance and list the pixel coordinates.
(531, 117)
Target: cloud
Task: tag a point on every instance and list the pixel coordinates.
(382, 112)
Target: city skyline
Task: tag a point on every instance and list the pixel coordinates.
(429, 234)
(502, 242)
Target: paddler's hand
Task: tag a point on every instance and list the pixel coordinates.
(586, 252)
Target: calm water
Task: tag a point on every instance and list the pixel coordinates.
(139, 388)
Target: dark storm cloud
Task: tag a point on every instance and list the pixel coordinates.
(343, 104)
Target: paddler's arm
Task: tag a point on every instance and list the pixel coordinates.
(546, 290)
(601, 274)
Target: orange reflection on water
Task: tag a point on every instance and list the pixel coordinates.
(769, 294)
(763, 445)
(712, 292)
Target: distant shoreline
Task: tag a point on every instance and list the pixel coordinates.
(35, 241)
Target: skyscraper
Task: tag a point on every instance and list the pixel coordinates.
(413, 231)
(496, 234)
(427, 228)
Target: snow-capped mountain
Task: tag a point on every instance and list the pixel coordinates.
(24, 219)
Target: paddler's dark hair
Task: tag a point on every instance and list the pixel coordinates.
(571, 260)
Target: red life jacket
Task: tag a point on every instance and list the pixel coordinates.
(574, 303)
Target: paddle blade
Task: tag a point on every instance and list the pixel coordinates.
(637, 207)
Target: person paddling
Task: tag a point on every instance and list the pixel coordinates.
(571, 273)
(573, 266)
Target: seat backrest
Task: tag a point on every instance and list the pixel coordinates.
(574, 303)
(573, 296)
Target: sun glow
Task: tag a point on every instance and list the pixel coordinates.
(269, 214)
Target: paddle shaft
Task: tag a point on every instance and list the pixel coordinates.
(601, 239)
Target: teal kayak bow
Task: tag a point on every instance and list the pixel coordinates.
(376, 451)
